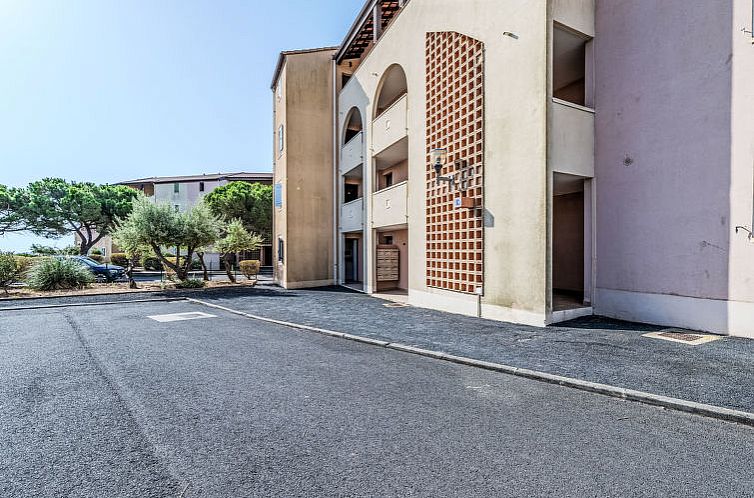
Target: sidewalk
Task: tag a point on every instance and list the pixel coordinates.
(594, 349)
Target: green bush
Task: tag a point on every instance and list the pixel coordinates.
(59, 274)
(191, 283)
(249, 268)
(119, 259)
(151, 263)
(97, 257)
(95, 252)
(12, 269)
(196, 264)
(25, 262)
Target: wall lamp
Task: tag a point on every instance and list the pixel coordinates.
(439, 157)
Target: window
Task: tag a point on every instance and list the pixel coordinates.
(388, 179)
(176, 188)
(201, 185)
(350, 192)
(281, 250)
(388, 240)
(281, 139)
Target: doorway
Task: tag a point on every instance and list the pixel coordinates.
(352, 261)
(571, 246)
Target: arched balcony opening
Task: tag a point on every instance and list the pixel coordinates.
(354, 125)
(390, 90)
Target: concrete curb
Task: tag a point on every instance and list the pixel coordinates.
(127, 293)
(710, 411)
(100, 303)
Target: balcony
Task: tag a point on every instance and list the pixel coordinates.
(390, 206)
(352, 153)
(352, 216)
(390, 126)
(572, 145)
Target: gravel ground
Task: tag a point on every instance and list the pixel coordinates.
(103, 401)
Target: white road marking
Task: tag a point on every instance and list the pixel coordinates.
(179, 317)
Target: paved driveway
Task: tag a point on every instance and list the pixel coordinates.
(104, 401)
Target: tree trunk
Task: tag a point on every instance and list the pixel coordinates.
(229, 267)
(204, 266)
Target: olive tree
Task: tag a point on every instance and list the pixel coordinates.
(237, 239)
(160, 226)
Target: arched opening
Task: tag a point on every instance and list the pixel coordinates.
(354, 125)
(392, 87)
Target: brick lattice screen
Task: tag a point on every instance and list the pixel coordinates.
(455, 121)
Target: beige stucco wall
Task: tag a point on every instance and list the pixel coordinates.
(305, 169)
(515, 155)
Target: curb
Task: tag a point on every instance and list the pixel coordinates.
(4, 300)
(681, 405)
(100, 303)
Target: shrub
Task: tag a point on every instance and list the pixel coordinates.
(119, 259)
(12, 269)
(95, 252)
(97, 257)
(249, 268)
(59, 274)
(191, 283)
(25, 262)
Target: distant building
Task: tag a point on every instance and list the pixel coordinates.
(184, 192)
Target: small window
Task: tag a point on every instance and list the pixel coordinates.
(388, 180)
(176, 188)
(350, 192)
(388, 240)
(201, 186)
(281, 139)
(281, 250)
(278, 195)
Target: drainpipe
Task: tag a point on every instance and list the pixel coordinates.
(336, 167)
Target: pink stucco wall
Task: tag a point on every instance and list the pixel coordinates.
(663, 146)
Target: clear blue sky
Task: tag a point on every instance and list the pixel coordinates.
(107, 90)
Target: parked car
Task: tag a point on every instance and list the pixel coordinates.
(102, 272)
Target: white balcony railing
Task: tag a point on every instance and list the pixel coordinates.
(352, 153)
(352, 216)
(390, 206)
(390, 126)
(572, 132)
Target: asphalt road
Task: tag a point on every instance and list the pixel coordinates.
(104, 401)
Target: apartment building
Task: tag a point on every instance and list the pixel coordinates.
(184, 192)
(536, 161)
(303, 224)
